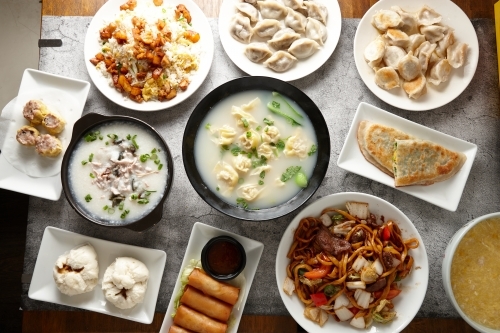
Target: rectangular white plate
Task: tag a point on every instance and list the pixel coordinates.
(15, 180)
(200, 235)
(57, 241)
(445, 194)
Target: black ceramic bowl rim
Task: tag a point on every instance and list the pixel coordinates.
(256, 83)
(204, 257)
(80, 128)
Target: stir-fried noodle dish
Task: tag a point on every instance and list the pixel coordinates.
(347, 263)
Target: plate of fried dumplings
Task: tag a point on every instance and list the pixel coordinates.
(412, 158)
(416, 55)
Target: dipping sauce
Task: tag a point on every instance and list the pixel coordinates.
(475, 273)
(223, 258)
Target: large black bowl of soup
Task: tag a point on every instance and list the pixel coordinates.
(256, 148)
(117, 171)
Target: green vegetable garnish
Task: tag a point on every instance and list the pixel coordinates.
(302, 271)
(160, 166)
(143, 201)
(129, 137)
(100, 137)
(313, 149)
(258, 128)
(217, 188)
(112, 136)
(225, 147)
(262, 175)
(88, 198)
(207, 126)
(331, 290)
(120, 206)
(272, 107)
(242, 202)
(301, 179)
(157, 162)
(134, 142)
(105, 207)
(235, 151)
(91, 157)
(92, 136)
(144, 157)
(261, 182)
(163, 10)
(241, 180)
(111, 210)
(260, 162)
(249, 134)
(280, 144)
(338, 217)
(289, 173)
(245, 122)
(125, 213)
(154, 157)
(84, 162)
(277, 94)
(91, 175)
(268, 122)
(153, 151)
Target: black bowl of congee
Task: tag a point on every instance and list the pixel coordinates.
(471, 272)
(117, 171)
(256, 148)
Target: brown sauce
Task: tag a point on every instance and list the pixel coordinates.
(224, 258)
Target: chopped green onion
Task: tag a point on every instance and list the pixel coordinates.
(207, 126)
(249, 134)
(331, 290)
(160, 166)
(163, 10)
(245, 122)
(235, 151)
(280, 145)
(112, 136)
(134, 142)
(242, 202)
(262, 175)
(105, 207)
(241, 180)
(258, 128)
(217, 188)
(84, 162)
(129, 137)
(125, 213)
(111, 210)
(225, 147)
(88, 198)
(157, 162)
(260, 162)
(91, 175)
(154, 157)
(91, 157)
(302, 271)
(143, 201)
(261, 182)
(134, 196)
(153, 151)
(92, 136)
(100, 137)
(268, 122)
(120, 206)
(144, 157)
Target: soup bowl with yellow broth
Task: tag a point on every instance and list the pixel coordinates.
(471, 272)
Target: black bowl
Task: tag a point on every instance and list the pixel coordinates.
(256, 83)
(80, 129)
(205, 262)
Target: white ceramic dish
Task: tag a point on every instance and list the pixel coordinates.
(445, 194)
(92, 47)
(32, 81)
(57, 241)
(235, 49)
(413, 287)
(436, 95)
(446, 269)
(200, 235)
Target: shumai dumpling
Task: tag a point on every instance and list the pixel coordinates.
(34, 111)
(27, 135)
(416, 88)
(387, 78)
(385, 19)
(240, 28)
(53, 123)
(48, 145)
(280, 61)
(409, 67)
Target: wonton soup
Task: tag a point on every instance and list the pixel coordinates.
(475, 273)
(256, 149)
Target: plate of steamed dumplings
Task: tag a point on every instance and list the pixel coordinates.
(284, 39)
(416, 55)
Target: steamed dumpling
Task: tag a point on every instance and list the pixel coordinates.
(267, 28)
(248, 10)
(456, 54)
(257, 52)
(226, 176)
(416, 88)
(272, 9)
(409, 67)
(392, 56)
(385, 19)
(296, 21)
(428, 16)
(374, 52)
(316, 11)
(397, 37)
(283, 39)
(316, 31)
(303, 48)
(240, 28)
(280, 61)
(387, 78)
(440, 72)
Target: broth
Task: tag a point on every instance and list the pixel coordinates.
(215, 151)
(475, 272)
(139, 191)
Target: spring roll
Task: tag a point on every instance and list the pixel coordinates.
(207, 305)
(211, 287)
(177, 329)
(197, 322)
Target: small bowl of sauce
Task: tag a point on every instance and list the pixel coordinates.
(223, 258)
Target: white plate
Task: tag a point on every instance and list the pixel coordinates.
(57, 241)
(436, 95)
(235, 50)
(413, 287)
(92, 47)
(200, 235)
(32, 81)
(445, 194)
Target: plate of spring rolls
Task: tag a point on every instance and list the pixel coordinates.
(200, 303)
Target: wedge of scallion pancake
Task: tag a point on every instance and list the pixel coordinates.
(376, 142)
(420, 162)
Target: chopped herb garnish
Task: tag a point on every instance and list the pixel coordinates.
(261, 182)
(235, 151)
(92, 136)
(249, 134)
(148, 193)
(100, 137)
(84, 162)
(268, 122)
(313, 149)
(88, 198)
(107, 143)
(260, 162)
(164, 76)
(262, 175)
(258, 128)
(134, 142)
(120, 206)
(134, 196)
(105, 207)
(331, 290)
(280, 144)
(272, 107)
(289, 173)
(125, 213)
(207, 126)
(91, 157)
(153, 151)
(241, 180)
(144, 157)
(111, 210)
(245, 122)
(225, 147)
(160, 166)
(143, 201)
(302, 271)
(157, 162)
(91, 175)
(277, 94)
(249, 155)
(129, 137)
(154, 157)
(242, 202)
(217, 188)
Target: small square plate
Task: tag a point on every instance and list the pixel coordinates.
(57, 241)
(45, 187)
(445, 194)
(200, 235)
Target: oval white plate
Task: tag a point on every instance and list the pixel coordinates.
(414, 286)
(92, 47)
(436, 95)
(235, 50)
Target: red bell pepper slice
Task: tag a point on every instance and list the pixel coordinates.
(318, 273)
(319, 299)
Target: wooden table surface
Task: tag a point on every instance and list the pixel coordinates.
(79, 321)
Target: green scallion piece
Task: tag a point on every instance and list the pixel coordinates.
(88, 197)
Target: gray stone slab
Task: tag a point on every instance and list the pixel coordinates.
(337, 89)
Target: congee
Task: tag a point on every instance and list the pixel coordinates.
(117, 172)
(256, 149)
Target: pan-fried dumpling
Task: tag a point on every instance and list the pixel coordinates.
(385, 19)
(226, 135)
(272, 9)
(257, 52)
(374, 52)
(397, 37)
(409, 67)
(316, 31)
(266, 150)
(456, 54)
(433, 33)
(294, 4)
(226, 177)
(427, 16)
(242, 117)
(440, 72)
(424, 52)
(271, 134)
(267, 28)
(248, 10)
(409, 23)
(280, 61)
(296, 21)
(316, 11)
(250, 192)
(414, 42)
(240, 28)
(303, 48)
(387, 78)
(434, 59)
(242, 163)
(449, 39)
(283, 39)
(250, 139)
(393, 55)
(416, 88)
